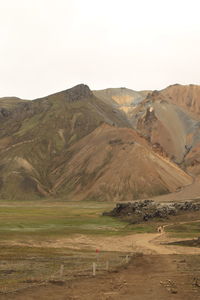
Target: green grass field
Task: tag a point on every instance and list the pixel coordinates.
(187, 230)
(58, 219)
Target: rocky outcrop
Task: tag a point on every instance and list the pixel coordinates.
(139, 211)
(4, 112)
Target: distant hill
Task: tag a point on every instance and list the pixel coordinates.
(121, 96)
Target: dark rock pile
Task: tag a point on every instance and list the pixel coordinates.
(144, 210)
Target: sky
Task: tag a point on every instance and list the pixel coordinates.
(51, 45)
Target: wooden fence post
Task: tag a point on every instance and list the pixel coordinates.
(107, 265)
(94, 268)
(127, 259)
(61, 270)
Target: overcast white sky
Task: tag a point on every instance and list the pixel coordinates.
(50, 45)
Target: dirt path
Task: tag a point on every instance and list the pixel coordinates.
(147, 243)
(157, 243)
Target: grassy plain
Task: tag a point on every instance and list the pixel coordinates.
(49, 220)
(182, 231)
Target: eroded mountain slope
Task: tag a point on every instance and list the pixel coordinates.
(115, 163)
(167, 127)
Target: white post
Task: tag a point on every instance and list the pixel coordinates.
(61, 270)
(94, 268)
(107, 265)
(127, 259)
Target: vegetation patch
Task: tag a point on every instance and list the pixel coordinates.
(47, 220)
(186, 230)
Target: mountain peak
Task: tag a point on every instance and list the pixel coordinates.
(78, 92)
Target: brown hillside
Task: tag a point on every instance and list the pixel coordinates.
(185, 96)
(116, 164)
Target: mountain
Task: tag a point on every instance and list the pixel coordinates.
(121, 96)
(185, 96)
(78, 144)
(36, 133)
(166, 126)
